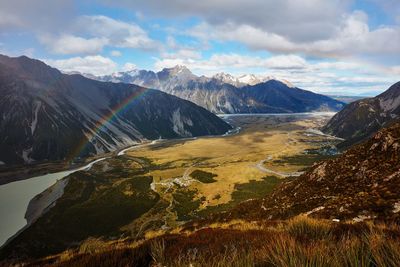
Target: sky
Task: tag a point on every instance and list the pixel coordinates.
(347, 47)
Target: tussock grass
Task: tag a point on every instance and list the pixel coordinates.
(302, 227)
(157, 248)
(300, 241)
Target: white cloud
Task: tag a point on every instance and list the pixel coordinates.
(338, 65)
(69, 44)
(312, 27)
(96, 65)
(43, 15)
(352, 37)
(116, 53)
(395, 70)
(9, 20)
(294, 19)
(90, 34)
(182, 53)
(285, 62)
(172, 50)
(128, 66)
(117, 32)
(222, 61)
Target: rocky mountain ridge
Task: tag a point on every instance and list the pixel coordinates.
(361, 119)
(224, 93)
(47, 115)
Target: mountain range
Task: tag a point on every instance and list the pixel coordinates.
(361, 119)
(224, 93)
(48, 115)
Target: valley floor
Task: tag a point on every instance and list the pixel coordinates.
(241, 166)
(166, 183)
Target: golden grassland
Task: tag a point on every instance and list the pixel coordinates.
(300, 241)
(234, 158)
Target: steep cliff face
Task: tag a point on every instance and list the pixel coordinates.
(47, 115)
(224, 93)
(361, 119)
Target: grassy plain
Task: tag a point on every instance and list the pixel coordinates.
(265, 146)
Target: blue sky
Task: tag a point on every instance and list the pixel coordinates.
(349, 47)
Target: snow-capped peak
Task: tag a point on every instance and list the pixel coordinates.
(246, 79)
(250, 79)
(131, 73)
(181, 73)
(225, 77)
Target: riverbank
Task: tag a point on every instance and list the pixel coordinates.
(12, 173)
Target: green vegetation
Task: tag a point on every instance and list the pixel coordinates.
(204, 177)
(252, 189)
(185, 205)
(302, 159)
(95, 203)
(110, 208)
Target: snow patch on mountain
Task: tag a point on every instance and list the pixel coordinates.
(225, 78)
(251, 79)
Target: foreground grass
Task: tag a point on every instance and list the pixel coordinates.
(297, 242)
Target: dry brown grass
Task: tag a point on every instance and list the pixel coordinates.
(233, 158)
(300, 241)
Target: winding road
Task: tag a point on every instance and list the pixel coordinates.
(261, 167)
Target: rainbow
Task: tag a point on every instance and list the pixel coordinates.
(107, 118)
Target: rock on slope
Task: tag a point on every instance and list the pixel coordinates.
(47, 115)
(224, 93)
(361, 119)
(362, 183)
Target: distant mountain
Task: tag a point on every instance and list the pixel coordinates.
(361, 119)
(345, 98)
(242, 80)
(224, 93)
(360, 184)
(47, 115)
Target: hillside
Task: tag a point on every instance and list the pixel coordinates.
(361, 119)
(47, 115)
(360, 184)
(341, 212)
(224, 93)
